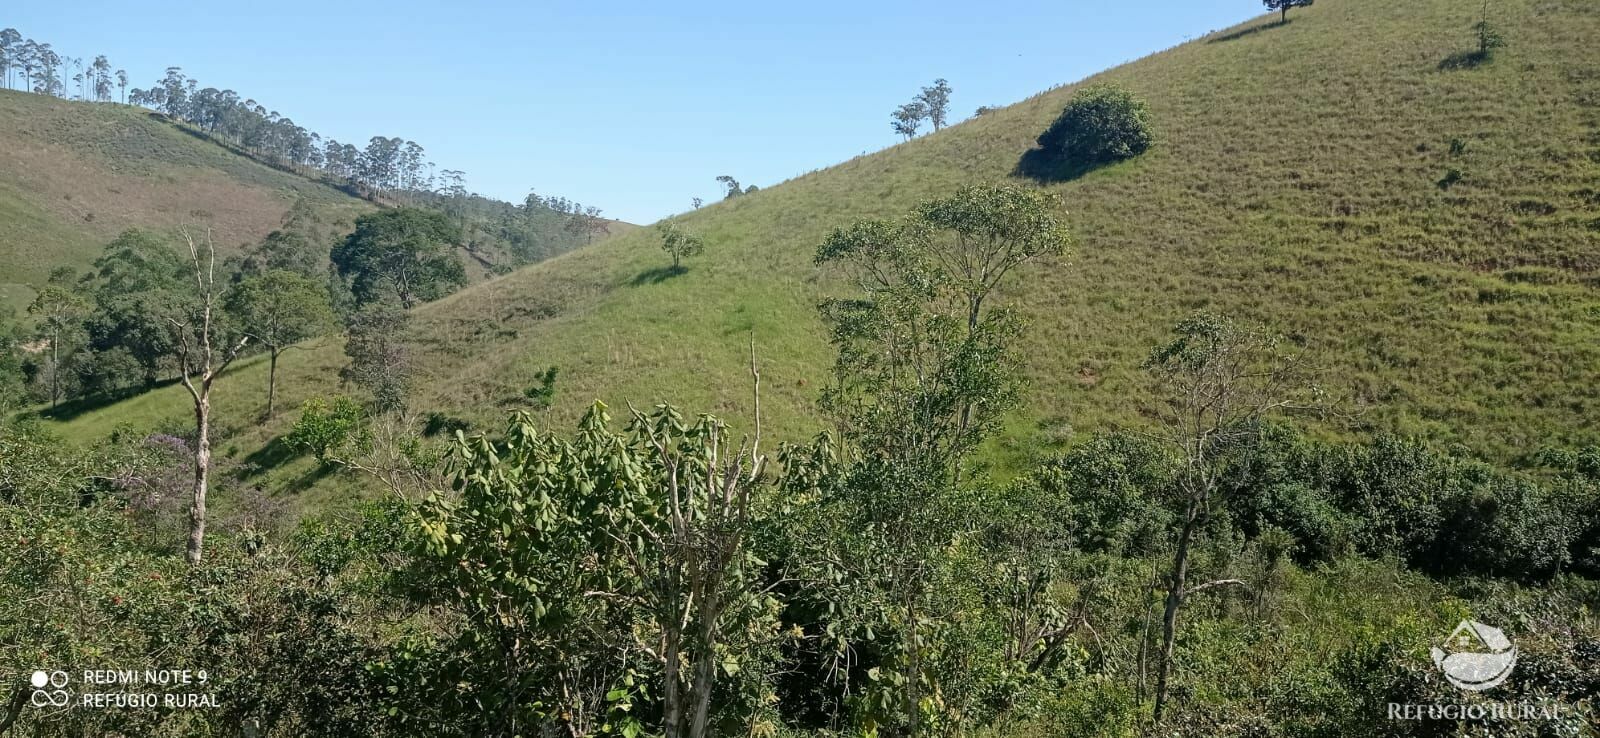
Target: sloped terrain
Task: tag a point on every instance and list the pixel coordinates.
(73, 175)
(1301, 178)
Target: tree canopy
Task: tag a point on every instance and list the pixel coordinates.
(405, 252)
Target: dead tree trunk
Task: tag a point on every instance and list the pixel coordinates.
(200, 362)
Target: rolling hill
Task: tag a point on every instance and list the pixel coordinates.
(74, 174)
(1302, 178)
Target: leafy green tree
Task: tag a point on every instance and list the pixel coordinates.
(679, 243)
(279, 309)
(926, 369)
(936, 100)
(908, 117)
(287, 250)
(406, 252)
(60, 311)
(137, 284)
(325, 427)
(585, 568)
(1283, 6)
(13, 380)
(1100, 125)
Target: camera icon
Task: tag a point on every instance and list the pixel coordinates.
(49, 689)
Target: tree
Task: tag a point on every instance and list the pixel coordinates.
(586, 222)
(907, 117)
(100, 72)
(936, 101)
(287, 249)
(405, 252)
(926, 368)
(1283, 6)
(679, 243)
(279, 309)
(375, 344)
(60, 311)
(697, 202)
(205, 349)
(1100, 125)
(10, 54)
(732, 185)
(1218, 380)
(1489, 37)
(138, 284)
(593, 563)
(122, 83)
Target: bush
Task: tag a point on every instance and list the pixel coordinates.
(326, 426)
(1101, 125)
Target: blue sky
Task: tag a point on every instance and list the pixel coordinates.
(635, 107)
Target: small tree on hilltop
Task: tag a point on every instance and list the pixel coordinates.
(1283, 6)
(679, 243)
(1102, 124)
(907, 117)
(936, 99)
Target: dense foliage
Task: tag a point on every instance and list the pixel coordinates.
(1100, 125)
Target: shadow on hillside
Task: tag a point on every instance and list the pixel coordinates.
(1039, 166)
(79, 405)
(1463, 60)
(276, 453)
(658, 275)
(1248, 31)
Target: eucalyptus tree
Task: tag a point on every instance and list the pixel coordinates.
(122, 84)
(935, 100)
(101, 71)
(908, 117)
(10, 54)
(60, 311)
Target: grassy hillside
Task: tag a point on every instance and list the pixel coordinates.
(1297, 181)
(74, 174)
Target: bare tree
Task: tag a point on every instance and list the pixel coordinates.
(1219, 381)
(204, 351)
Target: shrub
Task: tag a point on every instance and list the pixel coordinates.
(1101, 125)
(326, 426)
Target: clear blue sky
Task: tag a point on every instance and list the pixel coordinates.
(634, 107)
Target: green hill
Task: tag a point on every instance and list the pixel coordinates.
(1301, 178)
(74, 174)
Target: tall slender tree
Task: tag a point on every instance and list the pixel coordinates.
(60, 311)
(205, 349)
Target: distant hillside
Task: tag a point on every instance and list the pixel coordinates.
(74, 174)
(1301, 178)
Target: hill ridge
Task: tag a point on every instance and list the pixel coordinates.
(1299, 179)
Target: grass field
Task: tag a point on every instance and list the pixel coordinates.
(1297, 181)
(73, 175)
